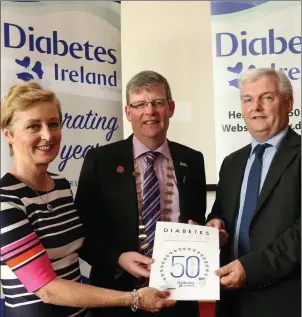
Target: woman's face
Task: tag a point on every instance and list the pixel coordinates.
(35, 134)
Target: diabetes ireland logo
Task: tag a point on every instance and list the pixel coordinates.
(237, 70)
(89, 56)
(183, 268)
(31, 70)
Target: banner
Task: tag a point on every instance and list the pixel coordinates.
(74, 49)
(249, 34)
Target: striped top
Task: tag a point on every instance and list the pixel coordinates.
(36, 245)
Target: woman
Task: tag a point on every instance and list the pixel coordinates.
(40, 228)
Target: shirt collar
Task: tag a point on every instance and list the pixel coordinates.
(140, 149)
(274, 141)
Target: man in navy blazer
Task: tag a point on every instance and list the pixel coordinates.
(109, 195)
(264, 279)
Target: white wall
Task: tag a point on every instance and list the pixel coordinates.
(174, 39)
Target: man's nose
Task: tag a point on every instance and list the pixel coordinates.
(150, 109)
(257, 105)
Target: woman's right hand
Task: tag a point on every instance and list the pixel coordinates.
(154, 300)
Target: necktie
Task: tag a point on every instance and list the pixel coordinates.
(251, 197)
(151, 201)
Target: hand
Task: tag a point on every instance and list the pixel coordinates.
(154, 300)
(135, 263)
(191, 222)
(219, 224)
(232, 276)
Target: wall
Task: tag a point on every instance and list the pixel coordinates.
(174, 38)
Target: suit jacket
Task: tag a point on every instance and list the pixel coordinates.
(273, 264)
(108, 206)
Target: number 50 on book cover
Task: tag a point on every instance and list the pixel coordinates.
(185, 259)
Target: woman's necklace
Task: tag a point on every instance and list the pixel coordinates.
(48, 205)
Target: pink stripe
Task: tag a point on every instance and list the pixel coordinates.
(36, 274)
(10, 254)
(18, 243)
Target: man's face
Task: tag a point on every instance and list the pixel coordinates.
(151, 122)
(264, 109)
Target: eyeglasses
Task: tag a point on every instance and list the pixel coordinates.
(141, 105)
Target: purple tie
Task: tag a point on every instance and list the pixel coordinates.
(151, 201)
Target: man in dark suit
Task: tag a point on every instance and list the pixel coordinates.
(258, 202)
(113, 199)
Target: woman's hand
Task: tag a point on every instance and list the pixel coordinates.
(154, 300)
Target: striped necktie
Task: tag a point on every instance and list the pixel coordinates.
(151, 201)
(250, 201)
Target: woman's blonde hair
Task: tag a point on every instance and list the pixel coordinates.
(21, 97)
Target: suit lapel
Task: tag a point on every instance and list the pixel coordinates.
(176, 161)
(281, 160)
(126, 179)
(181, 172)
(236, 174)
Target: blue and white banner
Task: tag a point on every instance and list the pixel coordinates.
(74, 49)
(248, 34)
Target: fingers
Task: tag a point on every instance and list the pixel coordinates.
(232, 276)
(163, 294)
(226, 281)
(141, 271)
(219, 224)
(154, 300)
(142, 258)
(135, 257)
(165, 303)
(169, 303)
(168, 293)
(223, 232)
(148, 267)
(135, 263)
(225, 270)
(191, 222)
(210, 223)
(216, 223)
(223, 237)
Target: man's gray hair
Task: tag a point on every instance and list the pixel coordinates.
(252, 75)
(146, 79)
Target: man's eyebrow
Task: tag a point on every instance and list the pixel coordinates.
(263, 93)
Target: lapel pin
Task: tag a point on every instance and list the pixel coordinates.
(184, 179)
(120, 169)
(183, 164)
